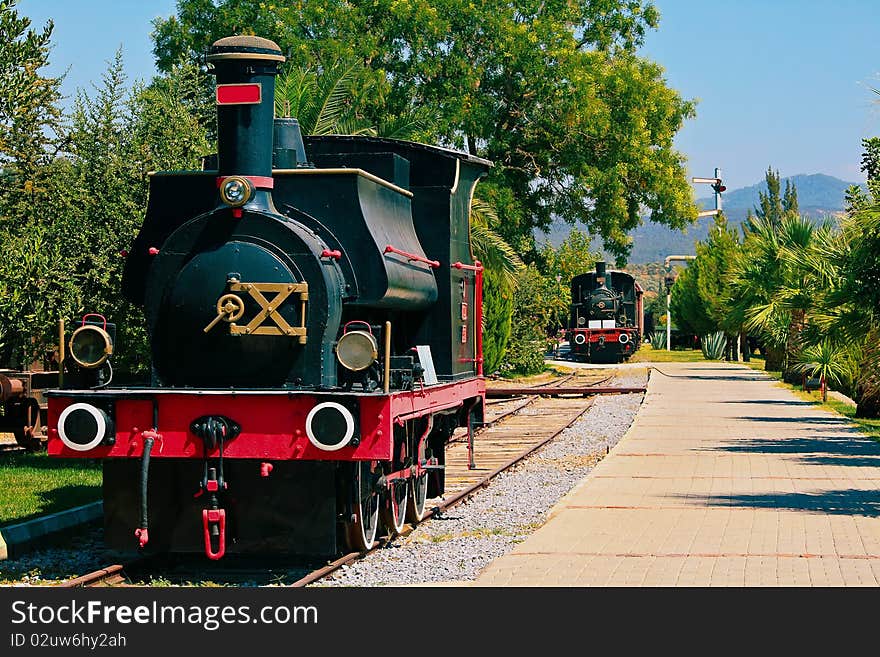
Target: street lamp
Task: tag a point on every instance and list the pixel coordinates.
(718, 187)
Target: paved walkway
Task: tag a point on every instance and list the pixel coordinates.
(724, 479)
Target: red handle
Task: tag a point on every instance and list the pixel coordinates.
(434, 264)
(475, 267)
(103, 319)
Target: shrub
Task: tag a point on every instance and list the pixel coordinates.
(713, 345)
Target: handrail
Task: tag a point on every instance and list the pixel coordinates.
(477, 267)
(434, 264)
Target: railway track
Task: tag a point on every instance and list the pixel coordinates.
(506, 439)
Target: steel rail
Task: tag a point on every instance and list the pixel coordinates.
(114, 574)
(445, 505)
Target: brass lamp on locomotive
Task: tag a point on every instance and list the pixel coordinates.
(313, 310)
(606, 323)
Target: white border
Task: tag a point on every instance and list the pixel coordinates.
(623, 338)
(582, 337)
(99, 419)
(349, 426)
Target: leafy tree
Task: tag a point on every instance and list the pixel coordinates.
(854, 303)
(850, 305)
(773, 206)
(831, 362)
(322, 100)
(173, 119)
(689, 311)
(64, 260)
(29, 115)
(777, 282)
(532, 310)
(700, 300)
(497, 317)
(502, 267)
(30, 271)
(580, 127)
(559, 266)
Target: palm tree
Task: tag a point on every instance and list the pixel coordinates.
(489, 247)
(831, 362)
(776, 282)
(322, 100)
(853, 304)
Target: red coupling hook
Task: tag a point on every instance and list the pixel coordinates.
(265, 469)
(143, 536)
(214, 520)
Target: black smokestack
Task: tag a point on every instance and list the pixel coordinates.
(245, 67)
(600, 273)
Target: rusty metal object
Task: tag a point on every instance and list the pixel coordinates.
(107, 576)
(10, 387)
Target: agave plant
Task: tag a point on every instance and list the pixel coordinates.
(658, 340)
(713, 345)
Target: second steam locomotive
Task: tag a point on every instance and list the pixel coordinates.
(606, 323)
(313, 310)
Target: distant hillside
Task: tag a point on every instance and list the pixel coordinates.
(818, 196)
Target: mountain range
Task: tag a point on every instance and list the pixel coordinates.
(819, 196)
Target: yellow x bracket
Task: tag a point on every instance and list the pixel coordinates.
(269, 309)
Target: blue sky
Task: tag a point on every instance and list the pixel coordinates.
(782, 83)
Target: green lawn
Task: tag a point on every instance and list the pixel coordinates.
(870, 428)
(32, 485)
(647, 354)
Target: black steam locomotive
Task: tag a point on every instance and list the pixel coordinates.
(314, 313)
(607, 316)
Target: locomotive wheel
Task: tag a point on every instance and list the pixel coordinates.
(418, 494)
(394, 509)
(361, 528)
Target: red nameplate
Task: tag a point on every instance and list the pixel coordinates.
(239, 94)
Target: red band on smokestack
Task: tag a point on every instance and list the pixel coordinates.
(239, 94)
(260, 182)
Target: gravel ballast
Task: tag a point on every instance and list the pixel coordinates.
(458, 545)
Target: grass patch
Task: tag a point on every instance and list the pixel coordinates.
(869, 427)
(33, 485)
(647, 354)
(481, 532)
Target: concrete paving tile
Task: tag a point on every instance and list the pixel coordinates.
(721, 481)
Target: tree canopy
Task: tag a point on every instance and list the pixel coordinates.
(553, 92)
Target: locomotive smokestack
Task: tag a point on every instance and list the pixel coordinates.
(600, 273)
(245, 67)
